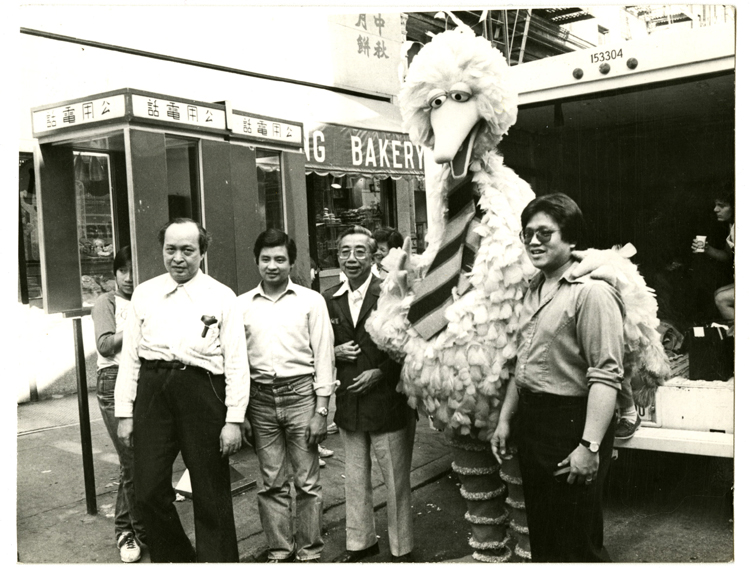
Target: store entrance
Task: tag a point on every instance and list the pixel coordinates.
(338, 203)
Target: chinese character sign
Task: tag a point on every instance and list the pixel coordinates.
(366, 49)
(176, 112)
(266, 128)
(79, 113)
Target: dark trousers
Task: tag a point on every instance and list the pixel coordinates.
(565, 521)
(183, 410)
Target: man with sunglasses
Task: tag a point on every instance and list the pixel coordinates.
(290, 351)
(370, 413)
(569, 370)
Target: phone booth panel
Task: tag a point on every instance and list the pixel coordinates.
(112, 169)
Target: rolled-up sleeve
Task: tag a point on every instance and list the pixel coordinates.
(321, 341)
(600, 332)
(236, 369)
(126, 384)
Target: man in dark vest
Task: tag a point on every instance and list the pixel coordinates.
(369, 411)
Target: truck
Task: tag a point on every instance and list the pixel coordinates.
(638, 132)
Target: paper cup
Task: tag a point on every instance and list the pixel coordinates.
(701, 243)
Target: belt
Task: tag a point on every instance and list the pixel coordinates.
(545, 397)
(284, 383)
(154, 364)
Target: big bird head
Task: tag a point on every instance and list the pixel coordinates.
(457, 98)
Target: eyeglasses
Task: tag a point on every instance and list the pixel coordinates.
(359, 254)
(542, 235)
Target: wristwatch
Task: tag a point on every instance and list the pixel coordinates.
(592, 446)
(323, 411)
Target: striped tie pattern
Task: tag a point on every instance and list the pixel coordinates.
(455, 256)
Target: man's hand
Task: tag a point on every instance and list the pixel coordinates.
(584, 465)
(315, 432)
(230, 439)
(348, 352)
(247, 432)
(499, 441)
(365, 381)
(125, 431)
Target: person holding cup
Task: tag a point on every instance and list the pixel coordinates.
(724, 210)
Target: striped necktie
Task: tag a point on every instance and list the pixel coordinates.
(451, 263)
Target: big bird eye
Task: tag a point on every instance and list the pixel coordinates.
(438, 100)
(460, 96)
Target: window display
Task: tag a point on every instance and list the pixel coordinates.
(341, 202)
(95, 230)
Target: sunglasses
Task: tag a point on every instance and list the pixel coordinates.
(542, 235)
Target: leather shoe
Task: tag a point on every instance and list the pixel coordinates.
(358, 555)
(403, 558)
(286, 560)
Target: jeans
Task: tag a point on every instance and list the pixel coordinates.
(279, 415)
(393, 451)
(183, 411)
(127, 517)
(565, 521)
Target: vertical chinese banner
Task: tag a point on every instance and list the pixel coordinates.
(366, 48)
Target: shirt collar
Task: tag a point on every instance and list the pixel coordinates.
(345, 287)
(291, 288)
(537, 280)
(170, 284)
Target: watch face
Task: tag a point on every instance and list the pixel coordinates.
(594, 447)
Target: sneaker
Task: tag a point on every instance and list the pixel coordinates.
(626, 429)
(321, 463)
(332, 428)
(324, 452)
(129, 549)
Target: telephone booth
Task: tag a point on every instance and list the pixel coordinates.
(114, 167)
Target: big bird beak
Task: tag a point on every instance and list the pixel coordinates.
(455, 125)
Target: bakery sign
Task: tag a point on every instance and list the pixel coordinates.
(342, 149)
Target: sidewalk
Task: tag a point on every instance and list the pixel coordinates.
(52, 523)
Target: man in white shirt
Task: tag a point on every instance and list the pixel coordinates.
(290, 351)
(182, 387)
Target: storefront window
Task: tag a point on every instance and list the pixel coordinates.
(341, 202)
(30, 280)
(270, 195)
(182, 178)
(95, 229)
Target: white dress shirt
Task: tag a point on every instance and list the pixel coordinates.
(288, 337)
(355, 297)
(165, 324)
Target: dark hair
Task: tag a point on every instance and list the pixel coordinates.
(275, 238)
(563, 210)
(389, 236)
(203, 237)
(724, 192)
(372, 244)
(122, 258)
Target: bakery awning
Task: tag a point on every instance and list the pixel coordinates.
(339, 150)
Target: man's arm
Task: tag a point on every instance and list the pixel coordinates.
(599, 327)
(126, 384)
(236, 375)
(321, 343)
(499, 440)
